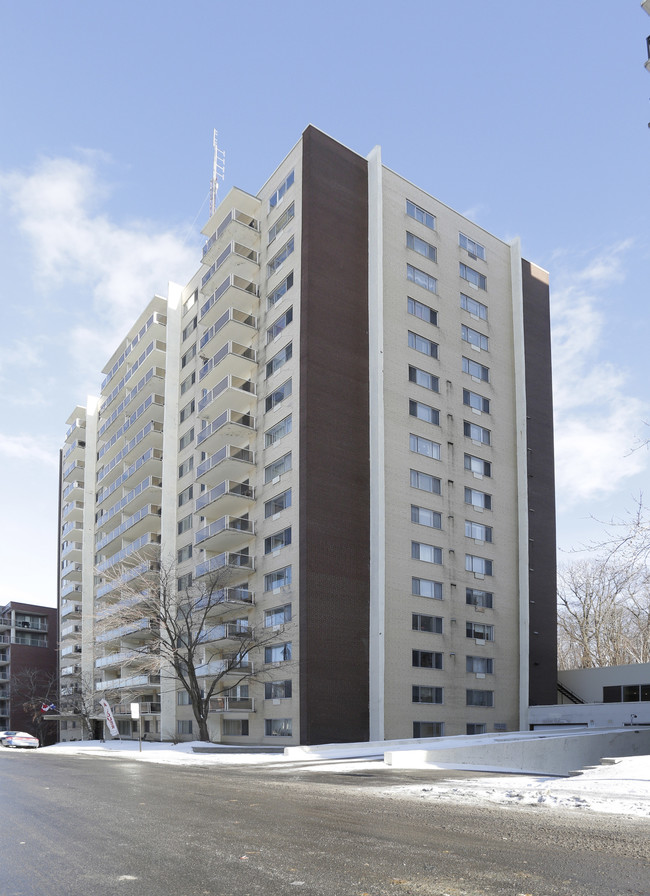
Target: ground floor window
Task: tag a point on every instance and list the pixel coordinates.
(184, 726)
(277, 727)
(428, 729)
(476, 728)
(235, 727)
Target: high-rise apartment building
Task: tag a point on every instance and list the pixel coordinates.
(349, 407)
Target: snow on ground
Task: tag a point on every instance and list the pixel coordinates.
(622, 788)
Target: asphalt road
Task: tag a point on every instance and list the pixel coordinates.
(85, 826)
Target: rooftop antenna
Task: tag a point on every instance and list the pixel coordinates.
(218, 172)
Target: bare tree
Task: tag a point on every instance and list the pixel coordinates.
(35, 690)
(191, 633)
(604, 601)
(78, 699)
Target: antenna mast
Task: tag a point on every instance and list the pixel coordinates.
(218, 172)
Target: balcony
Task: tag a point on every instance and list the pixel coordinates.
(228, 462)
(229, 426)
(71, 631)
(221, 667)
(236, 258)
(5, 623)
(71, 526)
(225, 561)
(75, 451)
(71, 572)
(144, 520)
(71, 610)
(229, 498)
(156, 325)
(146, 545)
(235, 291)
(232, 704)
(233, 325)
(74, 470)
(151, 383)
(135, 681)
(232, 358)
(137, 630)
(70, 588)
(74, 491)
(77, 429)
(238, 223)
(228, 531)
(71, 551)
(227, 631)
(116, 659)
(124, 709)
(231, 392)
(67, 652)
(70, 670)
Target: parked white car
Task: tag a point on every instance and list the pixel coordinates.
(18, 739)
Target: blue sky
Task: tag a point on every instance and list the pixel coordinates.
(531, 118)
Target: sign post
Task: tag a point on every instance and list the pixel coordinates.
(135, 714)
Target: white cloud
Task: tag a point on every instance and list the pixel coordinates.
(25, 447)
(597, 420)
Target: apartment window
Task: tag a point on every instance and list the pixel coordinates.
(477, 598)
(184, 726)
(190, 328)
(422, 623)
(420, 344)
(278, 395)
(474, 337)
(278, 653)
(277, 616)
(281, 223)
(281, 190)
(478, 465)
(422, 378)
(481, 665)
(277, 727)
(277, 690)
(189, 354)
(421, 278)
(476, 401)
(425, 482)
(428, 729)
(472, 276)
(185, 524)
(478, 531)
(277, 541)
(277, 504)
(277, 432)
(426, 659)
(184, 553)
(474, 248)
(418, 309)
(187, 411)
(478, 371)
(421, 246)
(419, 214)
(279, 325)
(183, 698)
(280, 291)
(235, 727)
(186, 466)
(424, 446)
(280, 257)
(426, 694)
(424, 412)
(476, 728)
(475, 308)
(277, 468)
(186, 495)
(186, 439)
(424, 517)
(479, 698)
(277, 361)
(479, 631)
(188, 382)
(476, 433)
(426, 588)
(279, 578)
(478, 499)
(479, 565)
(184, 582)
(428, 553)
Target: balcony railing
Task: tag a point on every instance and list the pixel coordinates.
(124, 709)
(228, 417)
(226, 523)
(135, 681)
(226, 560)
(232, 704)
